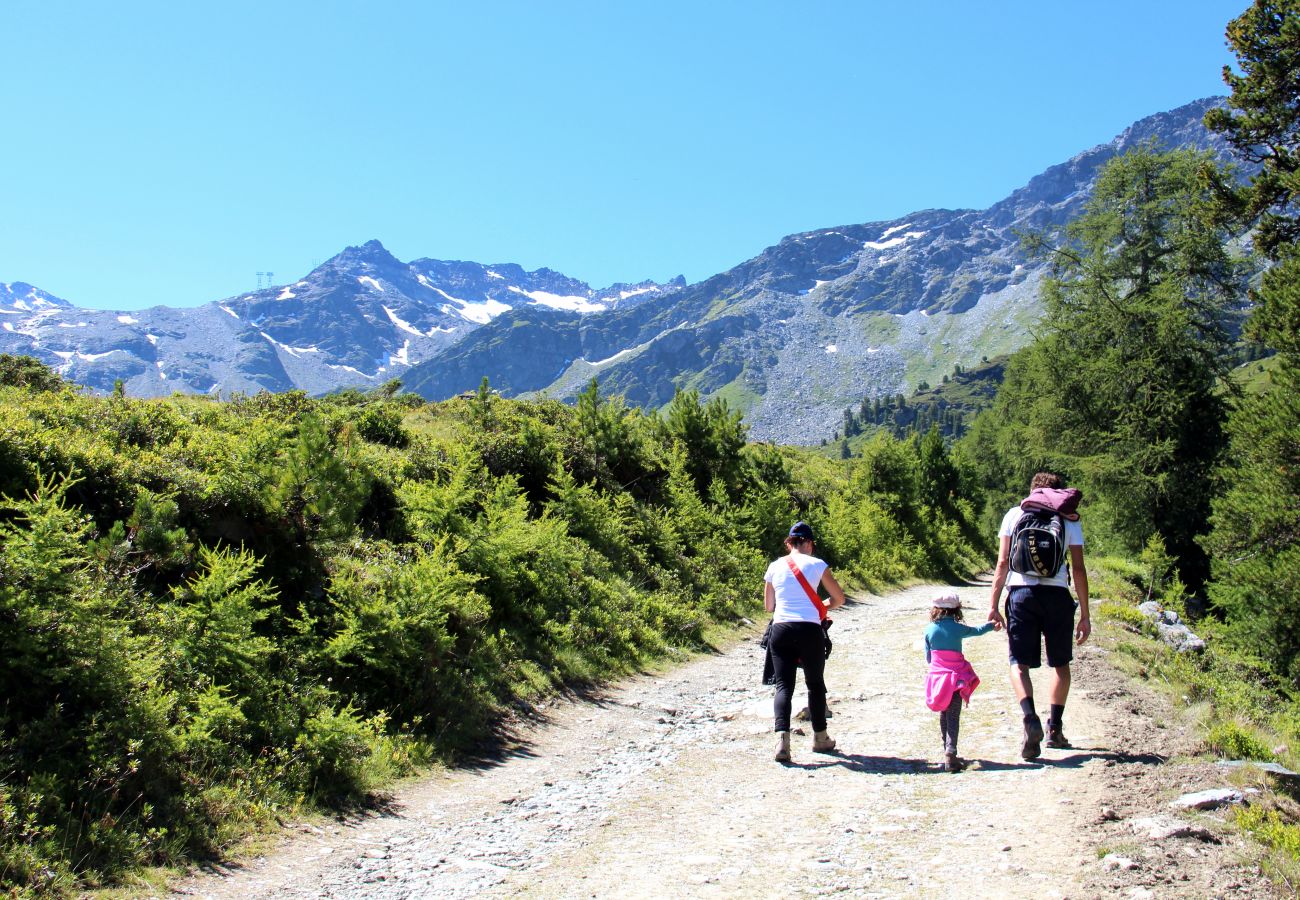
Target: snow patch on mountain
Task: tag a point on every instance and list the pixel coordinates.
(615, 358)
(892, 242)
(351, 369)
(402, 323)
(403, 356)
(292, 351)
(558, 301)
(481, 313)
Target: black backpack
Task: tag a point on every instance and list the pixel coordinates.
(1038, 543)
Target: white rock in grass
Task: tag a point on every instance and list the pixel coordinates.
(1162, 828)
(1211, 799)
(1113, 861)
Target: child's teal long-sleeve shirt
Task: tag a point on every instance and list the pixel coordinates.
(947, 634)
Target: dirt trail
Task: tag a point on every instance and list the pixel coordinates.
(665, 785)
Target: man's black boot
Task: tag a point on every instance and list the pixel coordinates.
(1031, 748)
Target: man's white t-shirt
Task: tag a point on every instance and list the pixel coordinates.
(1073, 538)
(792, 603)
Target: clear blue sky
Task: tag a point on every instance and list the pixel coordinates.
(163, 153)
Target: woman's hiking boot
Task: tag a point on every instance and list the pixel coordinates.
(782, 747)
(1031, 748)
(953, 763)
(1056, 738)
(822, 742)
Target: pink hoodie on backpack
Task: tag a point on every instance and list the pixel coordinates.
(1063, 501)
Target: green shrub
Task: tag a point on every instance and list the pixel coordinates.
(1126, 615)
(1271, 828)
(331, 752)
(28, 372)
(1231, 741)
(382, 424)
(1116, 578)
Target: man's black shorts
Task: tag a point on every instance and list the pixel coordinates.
(1036, 615)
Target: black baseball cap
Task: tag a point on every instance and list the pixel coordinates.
(801, 530)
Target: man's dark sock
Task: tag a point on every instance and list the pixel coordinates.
(1027, 707)
(1057, 715)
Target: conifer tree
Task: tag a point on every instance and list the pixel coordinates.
(1256, 536)
(1121, 392)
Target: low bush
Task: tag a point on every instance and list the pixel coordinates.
(1275, 824)
(1231, 741)
(1124, 614)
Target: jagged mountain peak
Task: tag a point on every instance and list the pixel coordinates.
(19, 296)
(371, 254)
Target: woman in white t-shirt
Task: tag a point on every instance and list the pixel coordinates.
(796, 638)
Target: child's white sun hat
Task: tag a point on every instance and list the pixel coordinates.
(948, 601)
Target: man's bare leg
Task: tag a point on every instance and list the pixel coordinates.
(1060, 687)
(1021, 684)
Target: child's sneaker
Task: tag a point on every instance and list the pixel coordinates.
(1031, 749)
(953, 763)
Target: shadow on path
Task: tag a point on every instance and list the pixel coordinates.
(1083, 755)
(901, 765)
(868, 765)
(991, 765)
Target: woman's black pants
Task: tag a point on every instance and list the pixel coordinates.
(795, 644)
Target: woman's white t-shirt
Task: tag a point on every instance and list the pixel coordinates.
(792, 603)
(1073, 538)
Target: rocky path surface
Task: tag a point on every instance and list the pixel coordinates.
(665, 785)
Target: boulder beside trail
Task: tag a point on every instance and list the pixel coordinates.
(1171, 629)
(1209, 799)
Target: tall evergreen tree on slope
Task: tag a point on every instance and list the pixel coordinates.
(1255, 540)
(1119, 391)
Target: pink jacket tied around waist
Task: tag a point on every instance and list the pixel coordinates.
(949, 673)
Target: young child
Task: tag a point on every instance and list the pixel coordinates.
(951, 678)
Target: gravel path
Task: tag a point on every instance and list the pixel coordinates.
(665, 785)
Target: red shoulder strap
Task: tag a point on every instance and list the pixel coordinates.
(808, 588)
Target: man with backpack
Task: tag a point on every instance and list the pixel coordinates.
(1040, 545)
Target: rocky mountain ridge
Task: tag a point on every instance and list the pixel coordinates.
(359, 319)
(812, 325)
(791, 337)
